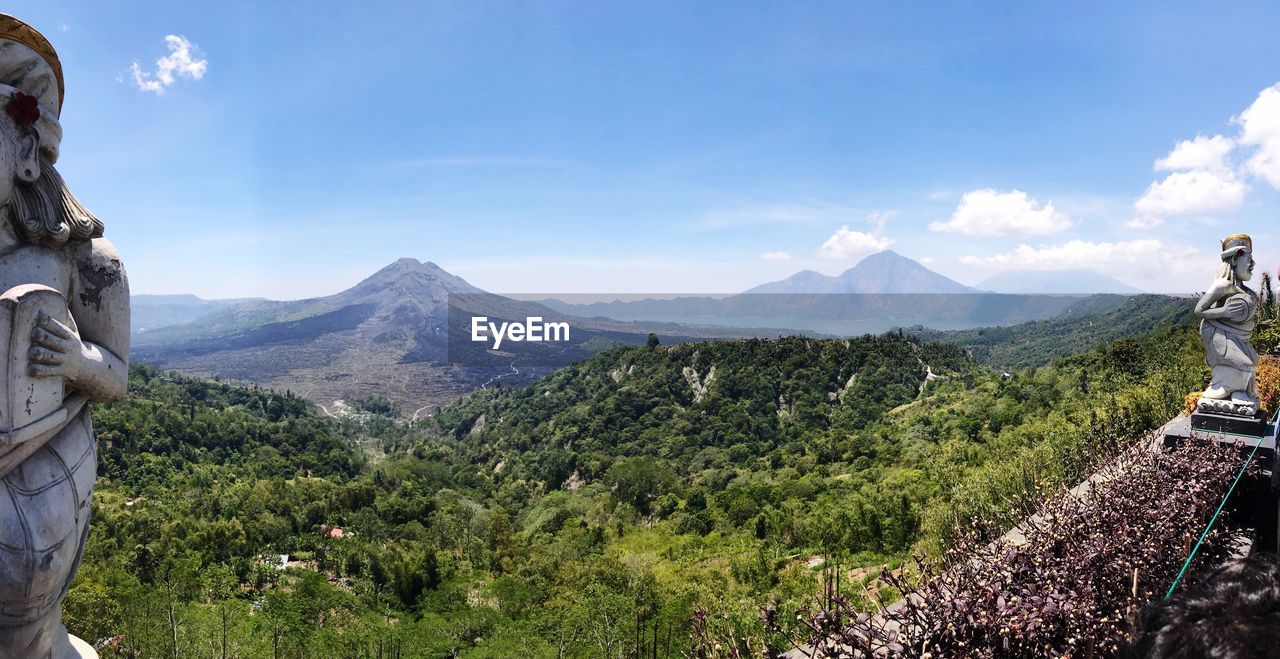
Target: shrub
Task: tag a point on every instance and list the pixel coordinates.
(1269, 382)
(1068, 589)
(1189, 403)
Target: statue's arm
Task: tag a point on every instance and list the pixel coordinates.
(1205, 308)
(104, 303)
(1236, 309)
(100, 306)
(1221, 287)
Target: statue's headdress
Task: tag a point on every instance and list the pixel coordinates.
(31, 85)
(1237, 245)
(31, 90)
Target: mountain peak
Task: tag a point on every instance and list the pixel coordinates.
(891, 272)
(408, 276)
(395, 268)
(408, 265)
(886, 258)
(879, 273)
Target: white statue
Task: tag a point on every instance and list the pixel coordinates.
(1229, 309)
(64, 339)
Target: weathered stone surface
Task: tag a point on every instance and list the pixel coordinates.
(1228, 406)
(64, 338)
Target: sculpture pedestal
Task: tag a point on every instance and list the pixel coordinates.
(82, 650)
(1229, 417)
(1230, 424)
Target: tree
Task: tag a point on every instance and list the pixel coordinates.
(1127, 358)
(639, 480)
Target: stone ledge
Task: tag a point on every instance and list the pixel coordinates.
(1252, 426)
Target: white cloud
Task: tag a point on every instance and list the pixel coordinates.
(1204, 153)
(180, 63)
(850, 245)
(1260, 127)
(1197, 192)
(1144, 222)
(776, 256)
(1202, 182)
(927, 260)
(989, 212)
(1157, 265)
(879, 218)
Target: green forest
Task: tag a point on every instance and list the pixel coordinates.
(590, 514)
(1075, 331)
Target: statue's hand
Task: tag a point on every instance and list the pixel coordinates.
(1220, 287)
(55, 350)
(58, 351)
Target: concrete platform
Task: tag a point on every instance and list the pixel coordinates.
(1254, 426)
(1180, 430)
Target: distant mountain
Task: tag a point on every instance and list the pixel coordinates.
(885, 272)
(838, 314)
(1055, 282)
(154, 311)
(882, 292)
(388, 335)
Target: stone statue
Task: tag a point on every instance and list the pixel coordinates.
(64, 339)
(1230, 311)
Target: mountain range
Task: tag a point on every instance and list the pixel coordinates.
(154, 311)
(888, 272)
(402, 332)
(1055, 282)
(883, 272)
(388, 335)
(882, 292)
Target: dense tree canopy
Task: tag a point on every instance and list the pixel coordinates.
(586, 515)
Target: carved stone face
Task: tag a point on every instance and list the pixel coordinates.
(1244, 268)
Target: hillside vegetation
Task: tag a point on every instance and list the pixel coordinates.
(589, 514)
(1094, 321)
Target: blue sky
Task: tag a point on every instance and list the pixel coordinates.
(665, 147)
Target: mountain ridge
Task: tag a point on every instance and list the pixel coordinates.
(151, 311)
(884, 272)
(1056, 282)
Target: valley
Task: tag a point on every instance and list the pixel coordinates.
(590, 513)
